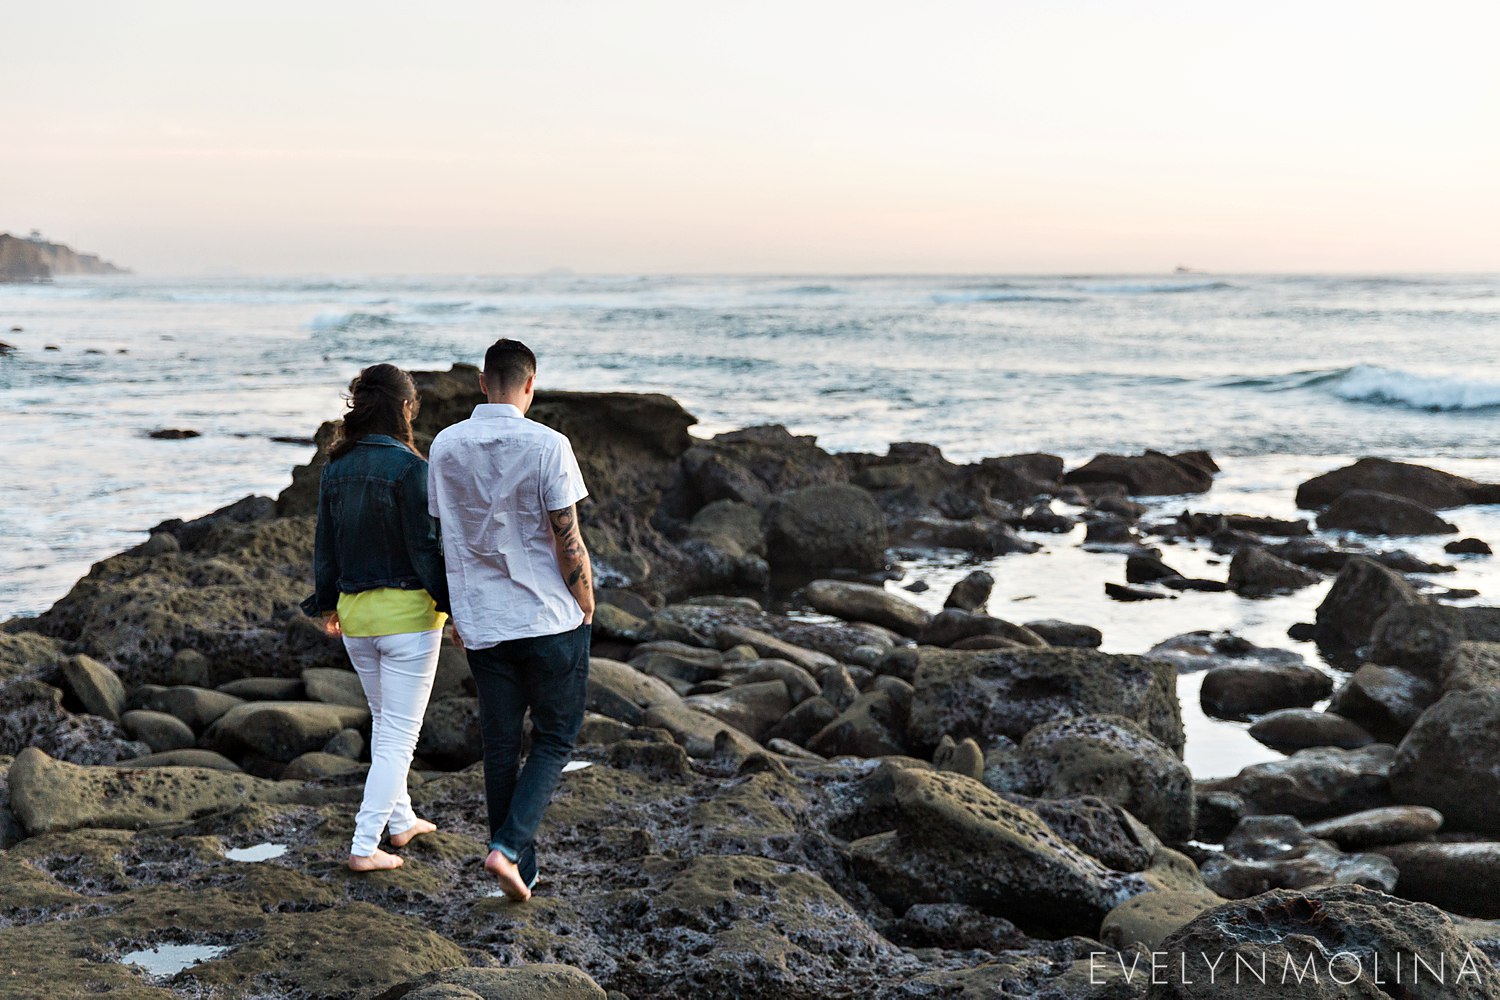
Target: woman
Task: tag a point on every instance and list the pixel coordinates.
(381, 584)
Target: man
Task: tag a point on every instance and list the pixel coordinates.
(505, 490)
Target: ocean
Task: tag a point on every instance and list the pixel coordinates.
(1280, 377)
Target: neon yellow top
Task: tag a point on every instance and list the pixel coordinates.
(388, 611)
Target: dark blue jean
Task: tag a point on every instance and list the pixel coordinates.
(549, 675)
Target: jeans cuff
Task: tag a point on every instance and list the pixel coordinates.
(512, 856)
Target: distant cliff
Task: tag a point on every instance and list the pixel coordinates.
(37, 260)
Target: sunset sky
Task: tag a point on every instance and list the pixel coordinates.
(655, 136)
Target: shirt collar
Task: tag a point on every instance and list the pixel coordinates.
(488, 411)
(383, 440)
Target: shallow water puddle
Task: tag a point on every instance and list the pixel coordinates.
(169, 959)
(257, 852)
(576, 765)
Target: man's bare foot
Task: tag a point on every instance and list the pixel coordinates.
(508, 875)
(418, 828)
(380, 861)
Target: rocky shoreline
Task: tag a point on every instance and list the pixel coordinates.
(799, 783)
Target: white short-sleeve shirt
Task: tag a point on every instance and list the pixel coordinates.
(492, 480)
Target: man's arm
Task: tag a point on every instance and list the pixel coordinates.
(573, 558)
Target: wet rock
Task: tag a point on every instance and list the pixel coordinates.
(1105, 532)
(1219, 812)
(1293, 729)
(1462, 878)
(861, 602)
(1240, 690)
(1254, 572)
(1372, 513)
(281, 730)
(984, 694)
(1060, 633)
(1342, 931)
(1469, 547)
(49, 795)
(971, 593)
(1450, 760)
(1275, 852)
(826, 527)
(1416, 483)
(1147, 569)
(1361, 594)
(334, 687)
(1150, 474)
(173, 434)
(1150, 918)
(1118, 592)
(158, 730)
(982, 536)
(197, 707)
(1390, 825)
(956, 841)
(1386, 701)
(952, 625)
(1318, 783)
(751, 708)
(450, 736)
(1105, 756)
(541, 981)
(1422, 637)
(96, 686)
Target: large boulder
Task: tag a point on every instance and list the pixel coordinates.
(622, 691)
(1363, 591)
(1372, 513)
(862, 602)
(986, 694)
(1422, 637)
(1450, 760)
(450, 735)
(49, 795)
(1341, 942)
(96, 686)
(1461, 877)
(826, 527)
(953, 840)
(751, 708)
(1386, 701)
(1240, 690)
(1254, 572)
(1276, 852)
(1417, 483)
(1106, 756)
(754, 464)
(1149, 474)
(1293, 729)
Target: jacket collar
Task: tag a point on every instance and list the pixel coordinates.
(489, 411)
(382, 440)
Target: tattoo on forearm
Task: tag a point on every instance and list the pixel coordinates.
(570, 548)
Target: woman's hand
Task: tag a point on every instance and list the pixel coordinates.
(458, 640)
(331, 627)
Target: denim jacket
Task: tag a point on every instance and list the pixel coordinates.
(374, 529)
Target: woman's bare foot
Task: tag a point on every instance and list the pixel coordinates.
(380, 861)
(508, 875)
(418, 828)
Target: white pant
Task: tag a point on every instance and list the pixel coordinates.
(397, 672)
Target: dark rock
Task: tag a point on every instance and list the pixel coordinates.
(1317, 783)
(1469, 547)
(281, 730)
(32, 715)
(982, 536)
(956, 927)
(450, 736)
(1219, 812)
(1254, 572)
(1473, 666)
(952, 624)
(751, 708)
(1386, 701)
(754, 464)
(971, 593)
(1361, 594)
(869, 727)
(173, 434)
(316, 765)
(1059, 633)
(1275, 852)
(540, 981)
(1373, 513)
(158, 730)
(334, 687)
(1423, 637)
(1150, 474)
(804, 721)
(622, 691)
(198, 707)
(186, 757)
(1450, 760)
(1147, 569)
(985, 694)
(1240, 690)
(1416, 483)
(825, 527)
(1108, 531)
(1461, 878)
(1117, 592)
(800, 684)
(347, 743)
(263, 689)
(1293, 729)
(1106, 756)
(1390, 825)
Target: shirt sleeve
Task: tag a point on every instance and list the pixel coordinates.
(563, 482)
(432, 483)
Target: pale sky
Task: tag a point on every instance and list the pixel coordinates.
(701, 136)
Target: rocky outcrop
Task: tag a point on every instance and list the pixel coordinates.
(1149, 474)
(36, 259)
(1372, 513)
(1419, 484)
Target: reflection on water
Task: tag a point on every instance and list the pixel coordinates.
(169, 959)
(258, 852)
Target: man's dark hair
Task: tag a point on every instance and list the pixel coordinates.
(508, 364)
